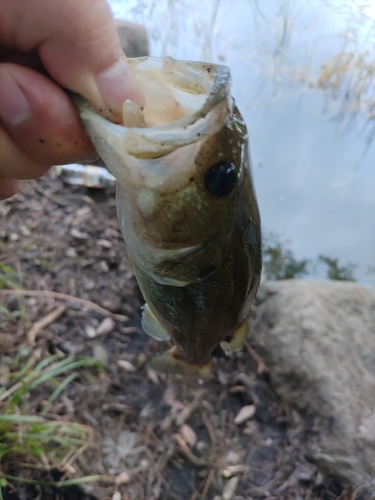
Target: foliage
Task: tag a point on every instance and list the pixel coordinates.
(8, 277)
(34, 441)
(349, 77)
(279, 262)
(337, 272)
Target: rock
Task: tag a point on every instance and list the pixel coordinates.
(365, 492)
(320, 343)
(133, 38)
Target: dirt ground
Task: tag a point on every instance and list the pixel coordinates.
(156, 437)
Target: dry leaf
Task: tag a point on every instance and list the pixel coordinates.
(77, 234)
(104, 243)
(244, 414)
(106, 326)
(230, 488)
(188, 435)
(152, 375)
(126, 365)
(90, 332)
(123, 478)
(232, 470)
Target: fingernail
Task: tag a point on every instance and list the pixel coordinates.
(14, 107)
(118, 84)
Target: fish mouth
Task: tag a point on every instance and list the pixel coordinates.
(186, 102)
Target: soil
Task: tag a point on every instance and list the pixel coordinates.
(156, 437)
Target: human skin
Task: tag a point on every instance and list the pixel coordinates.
(45, 47)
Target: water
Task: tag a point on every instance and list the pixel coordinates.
(315, 186)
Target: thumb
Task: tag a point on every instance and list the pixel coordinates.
(79, 47)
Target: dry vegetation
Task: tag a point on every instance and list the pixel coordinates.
(146, 436)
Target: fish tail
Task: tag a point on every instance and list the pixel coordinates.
(168, 362)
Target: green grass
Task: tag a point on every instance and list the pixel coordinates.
(34, 441)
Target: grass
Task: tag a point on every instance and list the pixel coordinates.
(35, 442)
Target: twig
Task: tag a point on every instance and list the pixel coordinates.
(120, 408)
(262, 367)
(42, 323)
(50, 196)
(164, 458)
(207, 484)
(60, 199)
(262, 489)
(68, 298)
(190, 408)
(67, 462)
(198, 462)
(211, 433)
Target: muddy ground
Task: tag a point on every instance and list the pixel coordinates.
(155, 436)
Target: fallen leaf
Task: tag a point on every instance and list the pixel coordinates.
(106, 326)
(230, 488)
(122, 478)
(77, 234)
(188, 435)
(126, 365)
(152, 375)
(90, 332)
(244, 414)
(233, 470)
(104, 243)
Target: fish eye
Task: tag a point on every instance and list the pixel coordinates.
(221, 179)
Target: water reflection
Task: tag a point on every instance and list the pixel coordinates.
(315, 186)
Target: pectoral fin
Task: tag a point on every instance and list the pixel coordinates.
(152, 326)
(237, 341)
(169, 363)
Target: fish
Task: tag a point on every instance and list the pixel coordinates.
(187, 208)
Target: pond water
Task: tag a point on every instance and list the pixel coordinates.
(314, 177)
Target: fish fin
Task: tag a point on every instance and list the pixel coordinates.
(237, 341)
(169, 363)
(130, 262)
(152, 326)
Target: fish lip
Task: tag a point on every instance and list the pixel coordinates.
(163, 139)
(156, 142)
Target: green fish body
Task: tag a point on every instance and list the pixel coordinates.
(187, 208)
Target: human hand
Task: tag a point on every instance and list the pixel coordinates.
(46, 46)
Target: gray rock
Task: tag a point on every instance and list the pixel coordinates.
(133, 37)
(366, 492)
(320, 343)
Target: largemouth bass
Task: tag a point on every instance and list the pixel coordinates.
(186, 206)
